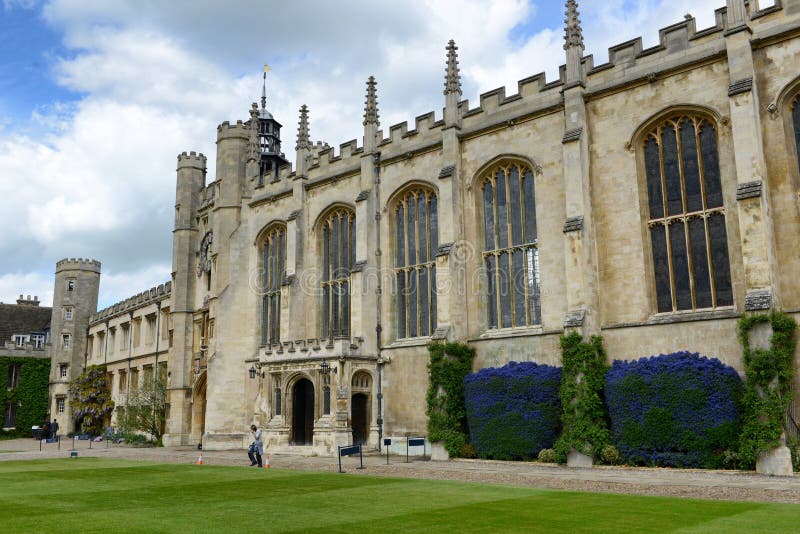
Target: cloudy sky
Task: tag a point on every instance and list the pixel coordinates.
(97, 98)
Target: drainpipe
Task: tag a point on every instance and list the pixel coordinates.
(376, 160)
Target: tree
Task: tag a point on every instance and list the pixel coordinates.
(146, 408)
(90, 399)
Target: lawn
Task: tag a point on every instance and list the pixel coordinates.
(87, 494)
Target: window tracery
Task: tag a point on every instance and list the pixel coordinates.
(416, 243)
(338, 259)
(274, 268)
(687, 216)
(511, 253)
(796, 124)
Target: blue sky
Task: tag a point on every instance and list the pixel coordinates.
(97, 99)
(28, 51)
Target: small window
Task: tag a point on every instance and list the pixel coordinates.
(70, 285)
(62, 370)
(13, 376)
(277, 401)
(38, 341)
(10, 414)
(326, 395)
(60, 402)
(68, 313)
(20, 340)
(65, 340)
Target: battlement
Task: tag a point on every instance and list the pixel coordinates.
(240, 130)
(78, 264)
(192, 160)
(154, 294)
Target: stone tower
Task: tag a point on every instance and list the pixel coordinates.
(75, 294)
(185, 244)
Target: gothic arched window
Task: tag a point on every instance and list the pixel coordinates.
(274, 257)
(687, 216)
(511, 254)
(338, 259)
(416, 242)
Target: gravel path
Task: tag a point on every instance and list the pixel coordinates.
(692, 483)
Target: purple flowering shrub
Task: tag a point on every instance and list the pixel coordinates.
(674, 410)
(513, 411)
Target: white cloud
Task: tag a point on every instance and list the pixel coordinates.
(12, 285)
(157, 77)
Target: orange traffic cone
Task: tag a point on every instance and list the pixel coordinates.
(200, 459)
(266, 461)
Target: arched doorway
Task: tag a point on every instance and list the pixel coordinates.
(303, 412)
(360, 407)
(199, 408)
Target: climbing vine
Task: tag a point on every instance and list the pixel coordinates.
(767, 385)
(449, 365)
(583, 411)
(90, 399)
(30, 393)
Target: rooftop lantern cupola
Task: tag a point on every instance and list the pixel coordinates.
(269, 139)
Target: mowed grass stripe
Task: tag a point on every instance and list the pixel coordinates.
(129, 496)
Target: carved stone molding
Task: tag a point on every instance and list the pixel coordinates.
(575, 318)
(440, 333)
(572, 135)
(444, 249)
(749, 190)
(758, 300)
(573, 224)
(740, 86)
(358, 267)
(294, 215)
(447, 172)
(364, 195)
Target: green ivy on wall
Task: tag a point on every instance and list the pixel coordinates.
(583, 411)
(767, 385)
(31, 393)
(447, 414)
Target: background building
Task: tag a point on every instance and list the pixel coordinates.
(24, 364)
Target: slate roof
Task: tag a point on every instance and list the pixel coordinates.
(22, 319)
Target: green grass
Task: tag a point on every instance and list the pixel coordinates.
(87, 494)
(2, 451)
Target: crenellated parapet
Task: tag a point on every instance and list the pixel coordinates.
(154, 294)
(191, 160)
(240, 130)
(78, 264)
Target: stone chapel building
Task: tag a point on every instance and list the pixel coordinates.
(653, 199)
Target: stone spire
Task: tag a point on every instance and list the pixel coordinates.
(452, 78)
(303, 148)
(254, 148)
(573, 32)
(371, 106)
(573, 44)
(371, 121)
(303, 139)
(452, 87)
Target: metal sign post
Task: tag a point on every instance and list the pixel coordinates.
(387, 442)
(349, 451)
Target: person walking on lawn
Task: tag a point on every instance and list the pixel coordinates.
(256, 448)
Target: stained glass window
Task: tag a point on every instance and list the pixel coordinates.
(687, 216)
(338, 259)
(511, 254)
(416, 242)
(274, 257)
